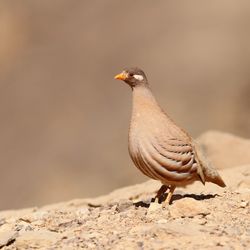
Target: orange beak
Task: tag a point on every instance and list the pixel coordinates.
(121, 76)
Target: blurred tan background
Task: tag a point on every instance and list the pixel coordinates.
(64, 120)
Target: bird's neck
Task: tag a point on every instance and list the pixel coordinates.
(143, 99)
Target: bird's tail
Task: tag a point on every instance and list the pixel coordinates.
(210, 174)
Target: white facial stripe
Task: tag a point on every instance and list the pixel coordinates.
(138, 77)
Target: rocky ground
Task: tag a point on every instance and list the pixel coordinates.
(199, 218)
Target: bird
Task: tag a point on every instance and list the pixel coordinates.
(158, 147)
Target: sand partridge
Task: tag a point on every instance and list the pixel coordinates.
(157, 146)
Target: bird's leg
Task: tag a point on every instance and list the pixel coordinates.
(160, 192)
(170, 193)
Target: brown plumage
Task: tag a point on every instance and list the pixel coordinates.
(157, 146)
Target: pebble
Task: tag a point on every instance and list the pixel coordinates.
(244, 204)
(188, 207)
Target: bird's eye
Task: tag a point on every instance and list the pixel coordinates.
(130, 74)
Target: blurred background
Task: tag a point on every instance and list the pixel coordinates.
(64, 119)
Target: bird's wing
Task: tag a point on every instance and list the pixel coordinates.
(168, 159)
(175, 154)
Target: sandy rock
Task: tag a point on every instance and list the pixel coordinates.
(127, 193)
(244, 204)
(225, 150)
(237, 178)
(155, 209)
(154, 206)
(127, 224)
(188, 207)
(6, 237)
(244, 195)
(36, 239)
(31, 217)
(15, 214)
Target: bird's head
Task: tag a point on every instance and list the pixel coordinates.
(133, 77)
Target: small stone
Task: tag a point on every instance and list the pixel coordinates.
(199, 221)
(7, 237)
(154, 206)
(38, 215)
(155, 210)
(244, 204)
(2, 222)
(188, 207)
(82, 213)
(162, 221)
(140, 244)
(123, 206)
(36, 239)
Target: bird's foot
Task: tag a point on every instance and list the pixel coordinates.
(160, 193)
(166, 203)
